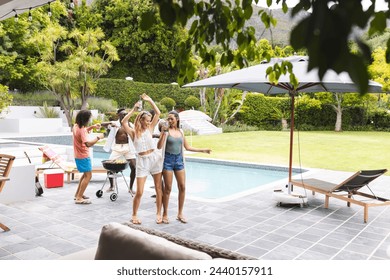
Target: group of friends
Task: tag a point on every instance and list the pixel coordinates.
(162, 159)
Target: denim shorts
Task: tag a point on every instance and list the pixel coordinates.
(173, 162)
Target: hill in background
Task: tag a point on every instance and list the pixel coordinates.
(280, 34)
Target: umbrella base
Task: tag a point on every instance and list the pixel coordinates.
(284, 198)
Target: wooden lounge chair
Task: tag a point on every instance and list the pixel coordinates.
(348, 190)
(68, 167)
(6, 162)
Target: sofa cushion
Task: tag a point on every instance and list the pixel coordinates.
(120, 242)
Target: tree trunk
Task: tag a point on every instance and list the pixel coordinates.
(284, 124)
(339, 120)
(339, 113)
(238, 108)
(219, 97)
(202, 97)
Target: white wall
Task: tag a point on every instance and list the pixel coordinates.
(31, 125)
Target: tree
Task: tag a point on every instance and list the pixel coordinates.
(71, 60)
(146, 55)
(17, 62)
(379, 69)
(325, 33)
(5, 98)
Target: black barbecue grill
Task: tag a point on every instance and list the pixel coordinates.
(113, 167)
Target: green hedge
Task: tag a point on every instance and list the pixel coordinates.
(310, 114)
(126, 93)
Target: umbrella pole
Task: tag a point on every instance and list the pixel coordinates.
(292, 94)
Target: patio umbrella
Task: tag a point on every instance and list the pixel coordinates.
(254, 79)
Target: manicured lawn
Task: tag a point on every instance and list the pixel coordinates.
(344, 151)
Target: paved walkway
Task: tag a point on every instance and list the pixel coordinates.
(52, 226)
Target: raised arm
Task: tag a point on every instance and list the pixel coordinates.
(125, 121)
(157, 113)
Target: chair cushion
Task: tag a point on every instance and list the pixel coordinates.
(120, 242)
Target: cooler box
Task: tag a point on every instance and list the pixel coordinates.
(53, 178)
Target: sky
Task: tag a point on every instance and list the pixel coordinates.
(380, 4)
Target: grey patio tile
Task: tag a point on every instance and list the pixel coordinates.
(230, 244)
(382, 252)
(62, 246)
(299, 243)
(340, 236)
(308, 237)
(223, 233)
(291, 251)
(4, 253)
(332, 242)
(349, 255)
(326, 250)
(265, 244)
(209, 238)
(278, 255)
(253, 251)
(19, 247)
(358, 248)
(9, 238)
(275, 238)
(9, 258)
(188, 234)
(250, 234)
(36, 253)
(312, 255)
(285, 232)
(316, 232)
(347, 231)
(359, 240)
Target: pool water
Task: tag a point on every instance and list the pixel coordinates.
(208, 179)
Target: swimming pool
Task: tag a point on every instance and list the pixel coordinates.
(221, 180)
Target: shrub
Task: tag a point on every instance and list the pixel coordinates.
(34, 99)
(5, 98)
(103, 105)
(238, 127)
(192, 102)
(47, 112)
(168, 102)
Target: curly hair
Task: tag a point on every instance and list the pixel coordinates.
(83, 117)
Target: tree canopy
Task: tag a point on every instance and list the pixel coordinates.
(325, 33)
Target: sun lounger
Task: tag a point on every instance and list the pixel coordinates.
(68, 167)
(348, 190)
(6, 162)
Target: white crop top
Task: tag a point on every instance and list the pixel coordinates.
(145, 142)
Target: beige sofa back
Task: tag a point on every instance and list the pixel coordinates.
(121, 242)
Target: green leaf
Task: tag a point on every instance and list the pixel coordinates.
(284, 7)
(378, 24)
(167, 13)
(248, 12)
(147, 20)
(388, 51)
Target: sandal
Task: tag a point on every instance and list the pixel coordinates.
(182, 220)
(165, 220)
(135, 221)
(159, 220)
(84, 197)
(83, 202)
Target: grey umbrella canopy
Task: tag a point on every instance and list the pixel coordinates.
(254, 79)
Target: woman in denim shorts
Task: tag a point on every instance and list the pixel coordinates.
(173, 143)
